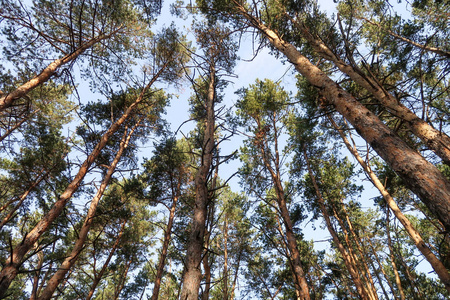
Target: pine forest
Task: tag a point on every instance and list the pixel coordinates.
(224, 149)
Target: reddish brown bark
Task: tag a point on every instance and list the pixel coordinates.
(70, 260)
(392, 257)
(225, 258)
(348, 261)
(436, 264)
(165, 248)
(193, 274)
(122, 279)
(381, 268)
(293, 254)
(99, 275)
(8, 99)
(436, 140)
(419, 175)
(13, 263)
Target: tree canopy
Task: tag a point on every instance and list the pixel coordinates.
(330, 180)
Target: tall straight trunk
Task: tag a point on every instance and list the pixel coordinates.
(357, 262)
(225, 258)
(392, 258)
(98, 276)
(165, 248)
(34, 290)
(193, 275)
(285, 251)
(351, 267)
(419, 175)
(11, 267)
(236, 273)
(361, 252)
(206, 266)
(381, 268)
(8, 99)
(380, 280)
(293, 255)
(70, 260)
(435, 263)
(436, 140)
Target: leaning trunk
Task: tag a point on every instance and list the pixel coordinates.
(351, 267)
(422, 177)
(13, 263)
(435, 263)
(70, 260)
(8, 100)
(99, 275)
(436, 140)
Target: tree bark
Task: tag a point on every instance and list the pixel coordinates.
(293, 254)
(99, 276)
(436, 140)
(392, 257)
(70, 260)
(165, 248)
(193, 274)
(435, 263)
(8, 99)
(356, 261)
(225, 258)
(13, 263)
(380, 265)
(352, 269)
(419, 175)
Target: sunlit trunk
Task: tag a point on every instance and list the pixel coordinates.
(100, 274)
(193, 275)
(436, 264)
(70, 260)
(13, 263)
(418, 174)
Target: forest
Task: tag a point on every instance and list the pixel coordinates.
(139, 161)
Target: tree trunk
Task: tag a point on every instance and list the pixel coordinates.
(392, 257)
(162, 258)
(225, 258)
(356, 261)
(8, 100)
(435, 263)
(352, 269)
(381, 268)
(34, 290)
(99, 276)
(70, 260)
(13, 263)
(418, 174)
(122, 279)
(361, 252)
(436, 140)
(193, 274)
(293, 254)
